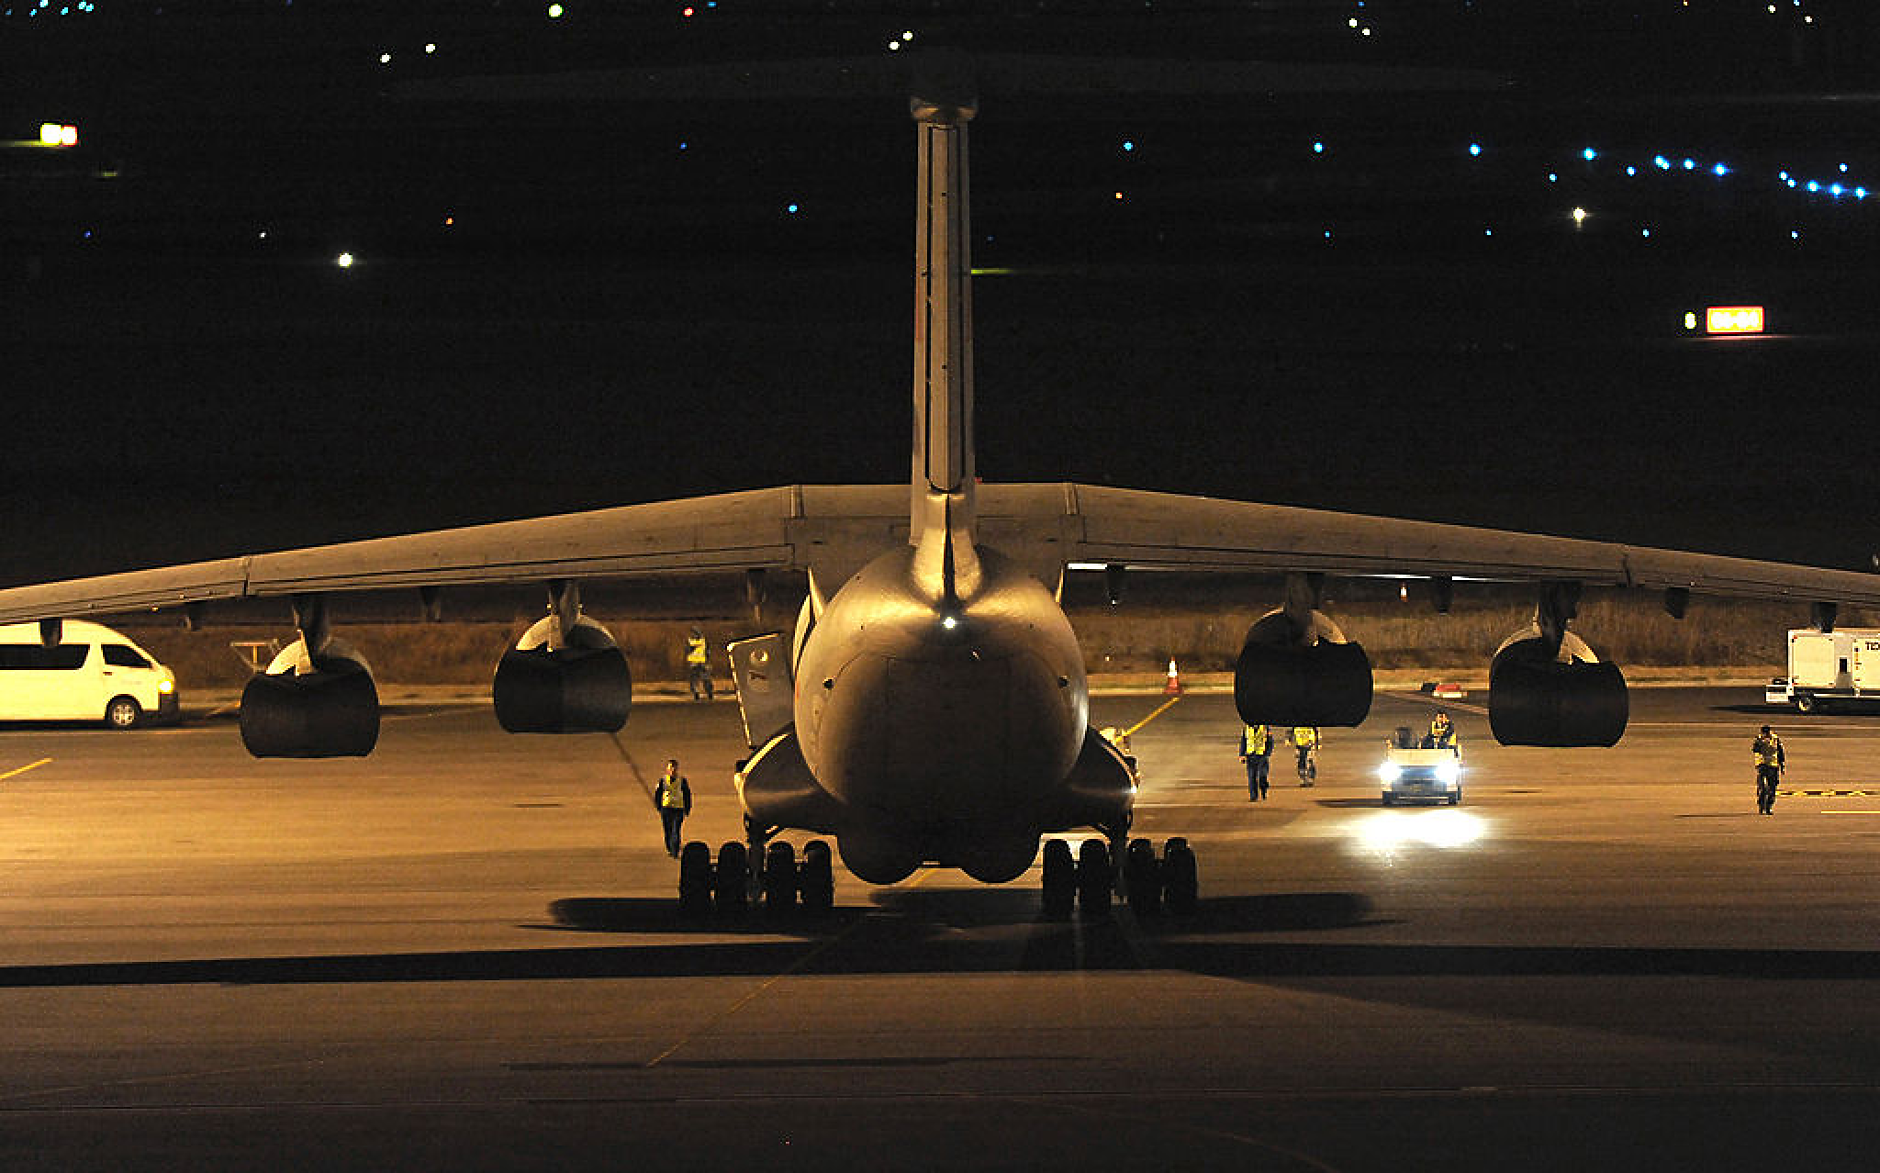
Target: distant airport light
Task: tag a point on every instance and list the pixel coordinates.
(1128, 145)
(1690, 164)
(1733, 319)
(344, 260)
(1589, 154)
(1720, 171)
(1475, 150)
(1660, 162)
(1318, 147)
(1553, 177)
(430, 47)
(1813, 186)
(1579, 216)
(385, 58)
(1630, 172)
(1784, 177)
(1836, 189)
(1690, 319)
(58, 134)
(554, 12)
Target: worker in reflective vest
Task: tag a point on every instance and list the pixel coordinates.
(1770, 762)
(672, 798)
(698, 670)
(1442, 732)
(1305, 739)
(1256, 746)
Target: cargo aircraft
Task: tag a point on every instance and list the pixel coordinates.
(931, 706)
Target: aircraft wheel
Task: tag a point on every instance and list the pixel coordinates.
(695, 879)
(1181, 885)
(779, 877)
(1390, 799)
(1060, 879)
(818, 877)
(731, 879)
(1094, 877)
(1143, 877)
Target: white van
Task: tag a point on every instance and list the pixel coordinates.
(91, 674)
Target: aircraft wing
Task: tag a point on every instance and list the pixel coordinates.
(1167, 531)
(798, 527)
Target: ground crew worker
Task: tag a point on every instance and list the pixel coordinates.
(1256, 743)
(698, 669)
(1442, 732)
(1770, 762)
(672, 798)
(1305, 739)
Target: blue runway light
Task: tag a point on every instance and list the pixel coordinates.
(1129, 145)
(1589, 154)
(1720, 170)
(1836, 190)
(1475, 150)
(1660, 162)
(1318, 147)
(1860, 193)
(1553, 177)
(1783, 176)
(1690, 164)
(1813, 186)
(1631, 171)
(790, 208)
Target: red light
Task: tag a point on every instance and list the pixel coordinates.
(687, 11)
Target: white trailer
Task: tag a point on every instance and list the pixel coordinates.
(1829, 666)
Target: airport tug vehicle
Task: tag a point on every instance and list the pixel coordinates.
(1416, 771)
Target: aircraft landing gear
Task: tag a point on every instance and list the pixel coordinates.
(757, 870)
(1095, 878)
(1060, 879)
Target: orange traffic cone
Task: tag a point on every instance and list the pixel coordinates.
(1174, 685)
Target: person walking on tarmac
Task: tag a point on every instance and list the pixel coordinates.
(1256, 748)
(672, 798)
(1442, 732)
(698, 668)
(1770, 762)
(1305, 739)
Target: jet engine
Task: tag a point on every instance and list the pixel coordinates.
(579, 683)
(307, 706)
(1540, 696)
(1294, 673)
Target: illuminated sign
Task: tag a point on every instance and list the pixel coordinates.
(1733, 319)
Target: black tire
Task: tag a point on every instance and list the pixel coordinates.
(1142, 875)
(731, 879)
(695, 879)
(1806, 703)
(1390, 799)
(779, 878)
(1455, 799)
(817, 877)
(1095, 880)
(123, 713)
(1181, 884)
(1060, 879)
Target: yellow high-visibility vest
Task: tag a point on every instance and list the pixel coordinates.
(1256, 741)
(1768, 750)
(672, 793)
(695, 649)
(1305, 737)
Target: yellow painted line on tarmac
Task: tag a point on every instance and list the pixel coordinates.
(23, 769)
(1164, 707)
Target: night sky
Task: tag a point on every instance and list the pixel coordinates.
(1347, 298)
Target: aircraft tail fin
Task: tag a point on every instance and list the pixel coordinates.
(943, 472)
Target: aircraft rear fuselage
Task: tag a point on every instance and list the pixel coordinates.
(945, 724)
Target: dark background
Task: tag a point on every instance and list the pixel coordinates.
(596, 293)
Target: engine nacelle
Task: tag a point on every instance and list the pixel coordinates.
(584, 686)
(1280, 680)
(311, 707)
(1537, 697)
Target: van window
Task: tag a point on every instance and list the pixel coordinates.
(119, 656)
(39, 658)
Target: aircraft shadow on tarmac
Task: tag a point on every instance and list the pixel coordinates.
(966, 931)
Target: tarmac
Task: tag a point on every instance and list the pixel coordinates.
(464, 952)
